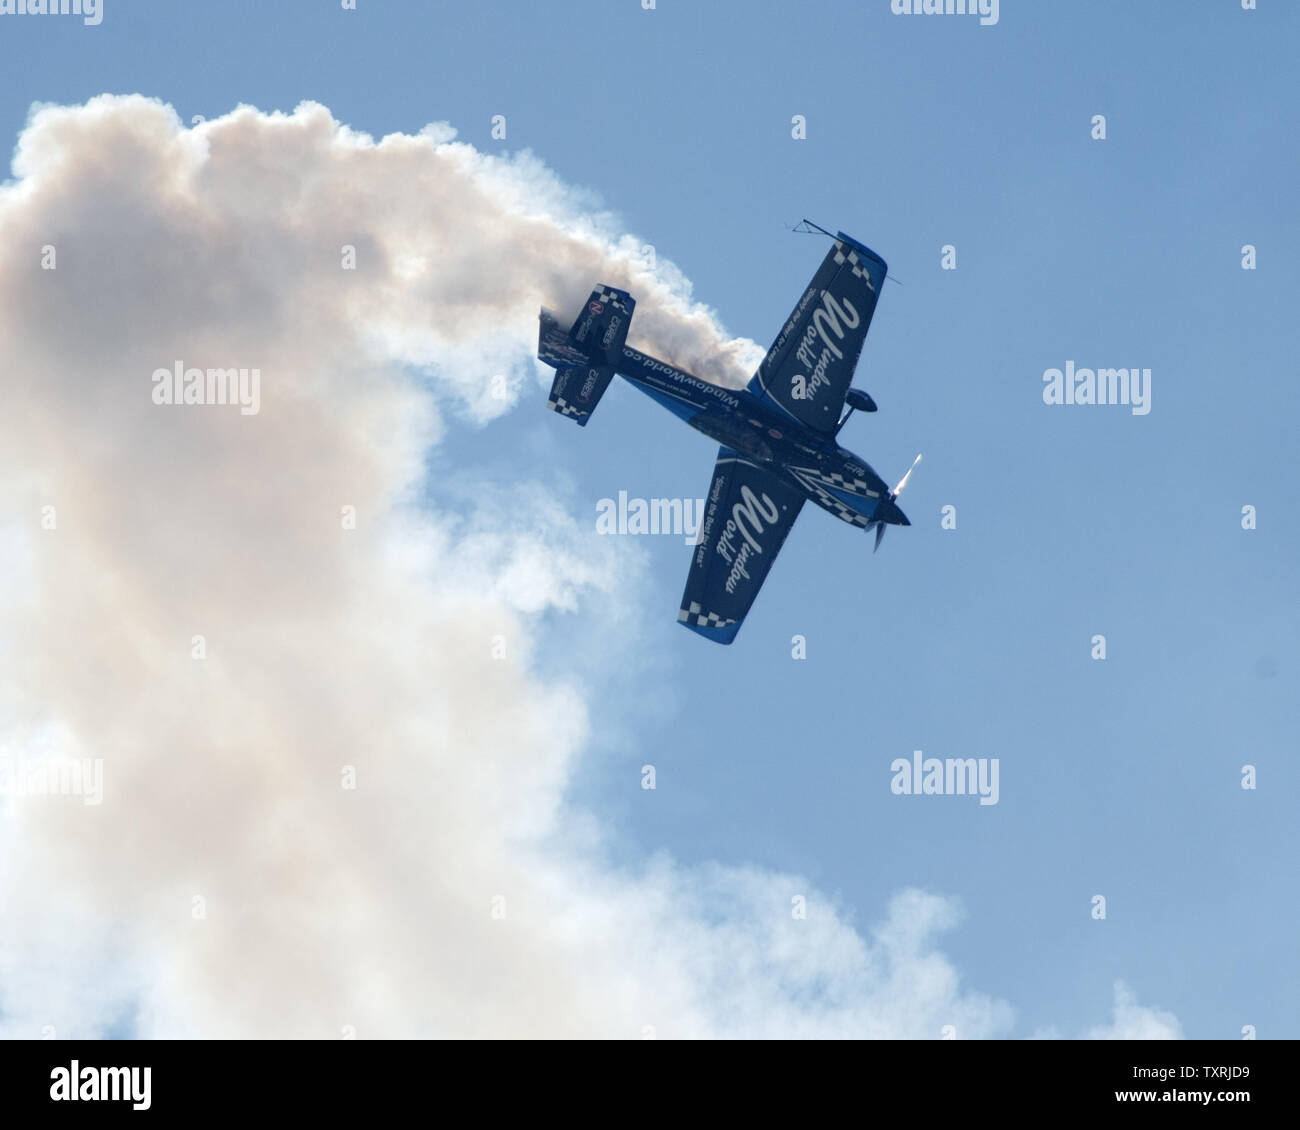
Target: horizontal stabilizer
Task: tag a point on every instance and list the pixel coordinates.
(585, 357)
(576, 392)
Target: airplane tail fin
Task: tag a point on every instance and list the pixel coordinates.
(584, 358)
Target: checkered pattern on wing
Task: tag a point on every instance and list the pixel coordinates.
(858, 269)
(695, 614)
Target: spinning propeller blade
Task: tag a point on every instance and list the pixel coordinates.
(893, 494)
(903, 481)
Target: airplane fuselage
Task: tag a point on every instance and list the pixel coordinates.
(828, 474)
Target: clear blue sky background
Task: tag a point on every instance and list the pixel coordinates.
(1119, 777)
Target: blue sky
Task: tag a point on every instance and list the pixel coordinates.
(1118, 777)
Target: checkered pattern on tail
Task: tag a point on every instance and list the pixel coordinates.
(562, 406)
(608, 296)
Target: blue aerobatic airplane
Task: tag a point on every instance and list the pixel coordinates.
(777, 434)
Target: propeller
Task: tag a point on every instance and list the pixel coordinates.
(893, 495)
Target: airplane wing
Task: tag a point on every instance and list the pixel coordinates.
(807, 371)
(747, 515)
